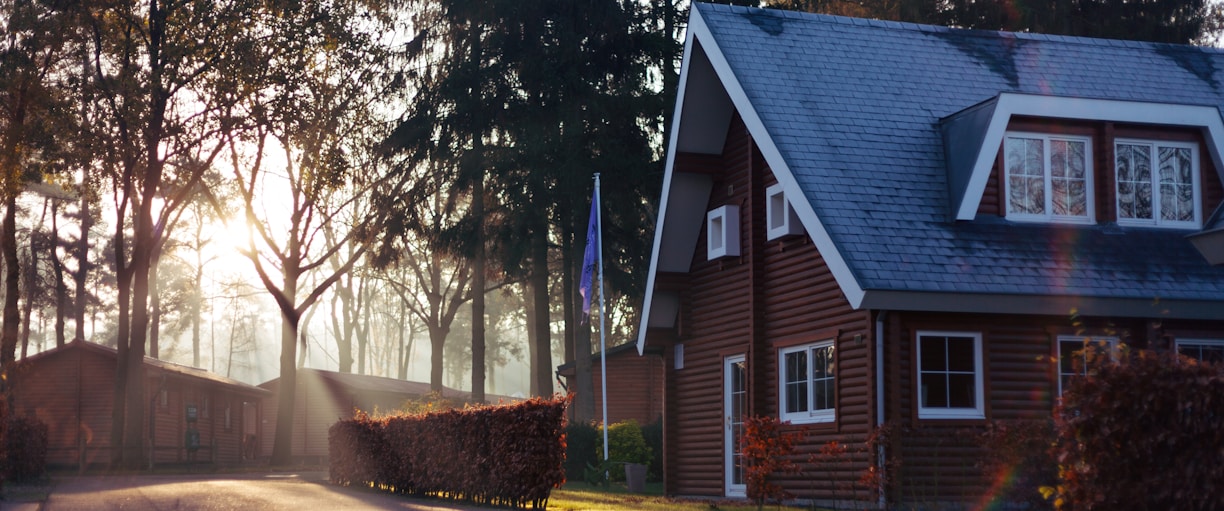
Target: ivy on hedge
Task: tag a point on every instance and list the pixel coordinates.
(506, 455)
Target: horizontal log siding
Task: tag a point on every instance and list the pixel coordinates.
(939, 459)
(795, 297)
(636, 386)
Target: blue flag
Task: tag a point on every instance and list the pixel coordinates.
(588, 262)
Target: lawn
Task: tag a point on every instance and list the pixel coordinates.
(575, 496)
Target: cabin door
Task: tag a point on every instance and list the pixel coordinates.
(735, 401)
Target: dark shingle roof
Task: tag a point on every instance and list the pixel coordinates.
(854, 107)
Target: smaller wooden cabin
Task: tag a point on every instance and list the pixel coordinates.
(323, 397)
(194, 415)
(635, 383)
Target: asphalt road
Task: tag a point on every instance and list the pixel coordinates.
(290, 492)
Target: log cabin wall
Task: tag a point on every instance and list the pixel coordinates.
(776, 294)
(939, 458)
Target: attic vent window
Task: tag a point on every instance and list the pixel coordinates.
(722, 232)
(1049, 178)
(780, 217)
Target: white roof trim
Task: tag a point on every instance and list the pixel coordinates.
(1010, 104)
(669, 167)
(698, 31)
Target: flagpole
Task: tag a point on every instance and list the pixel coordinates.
(603, 360)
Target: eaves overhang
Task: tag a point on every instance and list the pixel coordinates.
(708, 93)
(1045, 305)
(972, 137)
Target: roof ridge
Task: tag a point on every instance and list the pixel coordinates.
(971, 32)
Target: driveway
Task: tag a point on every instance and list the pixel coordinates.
(266, 491)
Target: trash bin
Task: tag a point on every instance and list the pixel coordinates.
(635, 477)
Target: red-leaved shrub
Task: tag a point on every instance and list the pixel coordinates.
(505, 455)
(766, 450)
(26, 448)
(1145, 433)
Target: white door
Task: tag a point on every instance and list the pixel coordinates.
(735, 401)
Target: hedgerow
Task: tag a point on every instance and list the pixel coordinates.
(505, 455)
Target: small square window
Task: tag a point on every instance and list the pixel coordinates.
(722, 232)
(780, 216)
(679, 357)
(950, 382)
(806, 386)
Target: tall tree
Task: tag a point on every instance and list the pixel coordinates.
(319, 107)
(31, 104)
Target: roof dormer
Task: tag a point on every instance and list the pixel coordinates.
(1043, 172)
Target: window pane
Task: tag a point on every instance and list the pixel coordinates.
(960, 354)
(1068, 194)
(1134, 175)
(822, 362)
(1068, 351)
(1176, 184)
(823, 395)
(961, 391)
(934, 354)
(934, 390)
(1025, 175)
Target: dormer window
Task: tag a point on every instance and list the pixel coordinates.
(1048, 177)
(1157, 183)
(779, 215)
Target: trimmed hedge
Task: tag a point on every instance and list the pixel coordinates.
(26, 446)
(506, 455)
(1145, 433)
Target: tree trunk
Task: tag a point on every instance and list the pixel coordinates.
(123, 277)
(30, 275)
(437, 341)
(540, 323)
(81, 276)
(155, 311)
(287, 389)
(61, 288)
(478, 291)
(12, 286)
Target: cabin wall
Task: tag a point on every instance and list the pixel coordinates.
(635, 385)
(778, 293)
(938, 458)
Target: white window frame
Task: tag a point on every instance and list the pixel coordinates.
(780, 218)
(978, 411)
(1049, 216)
(722, 232)
(1196, 176)
(811, 414)
(1083, 340)
(1215, 343)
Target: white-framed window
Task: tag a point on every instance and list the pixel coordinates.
(722, 232)
(1203, 350)
(807, 390)
(1076, 352)
(780, 217)
(1157, 183)
(950, 382)
(1048, 178)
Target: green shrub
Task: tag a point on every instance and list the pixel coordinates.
(625, 445)
(653, 433)
(1144, 433)
(581, 449)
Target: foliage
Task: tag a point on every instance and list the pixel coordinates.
(581, 445)
(1166, 21)
(1020, 459)
(653, 433)
(506, 455)
(25, 451)
(431, 402)
(765, 448)
(1144, 433)
(625, 445)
